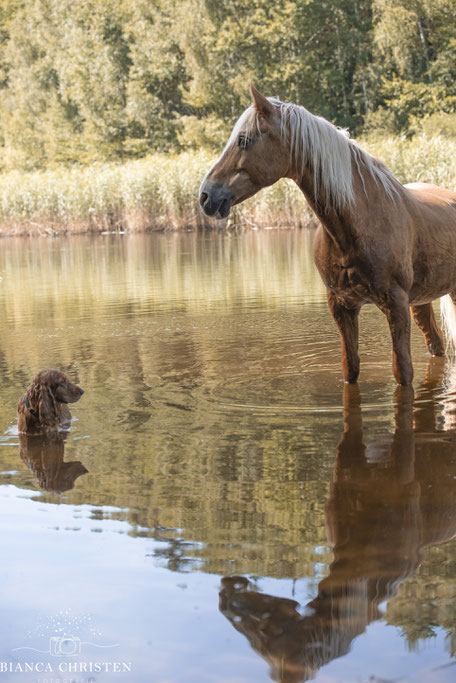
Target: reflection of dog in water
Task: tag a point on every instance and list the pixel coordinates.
(44, 405)
(43, 454)
(387, 502)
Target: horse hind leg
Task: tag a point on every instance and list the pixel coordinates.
(448, 319)
(425, 319)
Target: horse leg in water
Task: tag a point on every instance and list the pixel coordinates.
(346, 320)
(396, 308)
(425, 319)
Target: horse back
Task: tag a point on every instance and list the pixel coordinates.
(434, 204)
(432, 215)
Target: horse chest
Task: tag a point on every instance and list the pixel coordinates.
(346, 272)
(348, 282)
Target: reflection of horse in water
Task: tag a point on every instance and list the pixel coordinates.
(387, 502)
(43, 454)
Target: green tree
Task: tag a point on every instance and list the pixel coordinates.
(154, 98)
(88, 81)
(415, 64)
(66, 69)
(314, 53)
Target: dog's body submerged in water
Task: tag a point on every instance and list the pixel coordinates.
(44, 407)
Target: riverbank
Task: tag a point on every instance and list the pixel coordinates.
(160, 192)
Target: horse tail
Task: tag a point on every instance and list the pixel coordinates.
(448, 322)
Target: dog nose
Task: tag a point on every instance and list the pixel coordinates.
(81, 390)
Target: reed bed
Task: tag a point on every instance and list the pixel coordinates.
(424, 158)
(160, 192)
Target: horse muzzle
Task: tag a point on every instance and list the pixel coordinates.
(215, 200)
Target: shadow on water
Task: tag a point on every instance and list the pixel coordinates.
(44, 456)
(389, 500)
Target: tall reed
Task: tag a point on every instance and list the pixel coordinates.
(160, 192)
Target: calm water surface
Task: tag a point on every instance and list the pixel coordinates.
(223, 509)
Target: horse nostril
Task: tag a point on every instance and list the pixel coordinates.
(222, 208)
(203, 198)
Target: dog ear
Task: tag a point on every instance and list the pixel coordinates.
(47, 406)
(34, 393)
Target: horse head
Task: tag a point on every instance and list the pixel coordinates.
(254, 157)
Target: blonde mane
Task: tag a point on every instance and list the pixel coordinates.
(328, 151)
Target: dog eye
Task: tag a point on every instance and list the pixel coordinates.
(244, 141)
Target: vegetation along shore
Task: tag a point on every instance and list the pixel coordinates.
(159, 192)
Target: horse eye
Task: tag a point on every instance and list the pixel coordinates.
(244, 141)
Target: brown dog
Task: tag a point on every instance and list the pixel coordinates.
(44, 405)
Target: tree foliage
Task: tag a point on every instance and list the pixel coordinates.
(93, 80)
(416, 42)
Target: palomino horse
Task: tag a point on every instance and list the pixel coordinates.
(379, 241)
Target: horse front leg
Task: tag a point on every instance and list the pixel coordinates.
(396, 308)
(425, 319)
(346, 320)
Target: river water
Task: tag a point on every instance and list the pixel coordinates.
(222, 509)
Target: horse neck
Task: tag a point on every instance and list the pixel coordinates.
(340, 223)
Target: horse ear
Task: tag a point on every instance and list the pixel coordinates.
(261, 103)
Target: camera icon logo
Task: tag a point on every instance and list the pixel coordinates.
(64, 646)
